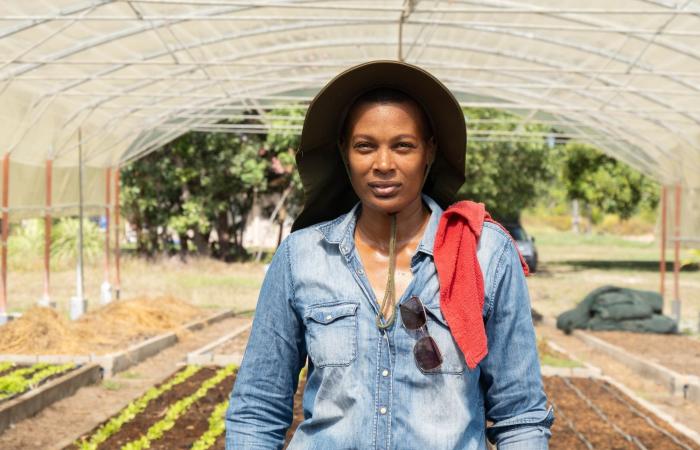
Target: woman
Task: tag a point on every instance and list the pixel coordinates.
(359, 294)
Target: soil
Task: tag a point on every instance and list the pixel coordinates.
(599, 427)
(235, 345)
(60, 424)
(588, 410)
(684, 412)
(677, 352)
(155, 410)
(617, 406)
(195, 422)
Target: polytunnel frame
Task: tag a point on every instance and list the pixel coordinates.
(581, 120)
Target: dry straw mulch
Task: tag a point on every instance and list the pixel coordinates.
(113, 327)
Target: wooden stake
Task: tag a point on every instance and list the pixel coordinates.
(662, 260)
(47, 231)
(108, 204)
(677, 256)
(117, 284)
(5, 230)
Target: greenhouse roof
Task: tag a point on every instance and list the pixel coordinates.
(118, 79)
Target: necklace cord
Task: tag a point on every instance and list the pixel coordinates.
(389, 293)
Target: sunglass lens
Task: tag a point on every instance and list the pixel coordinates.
(427, 354)
(412, 313)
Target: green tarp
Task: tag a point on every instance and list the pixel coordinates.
(614, 308)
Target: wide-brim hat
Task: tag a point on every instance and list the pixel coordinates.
(327, 189)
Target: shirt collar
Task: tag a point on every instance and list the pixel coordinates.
(340, 231)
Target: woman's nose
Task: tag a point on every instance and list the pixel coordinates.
(385, 160)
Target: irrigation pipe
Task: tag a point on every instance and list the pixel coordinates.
(648, 419)
(603, 416)
(571, 426)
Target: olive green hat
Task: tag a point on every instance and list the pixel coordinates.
(327, 189)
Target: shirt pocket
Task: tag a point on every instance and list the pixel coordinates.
(452, 357)
(331, 333)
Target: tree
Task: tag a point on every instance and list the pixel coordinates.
(196, 184)
(604, 184)
(507, 176)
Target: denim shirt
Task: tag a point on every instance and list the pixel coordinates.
(364, 390)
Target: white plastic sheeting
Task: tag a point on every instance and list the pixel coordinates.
(132, 75)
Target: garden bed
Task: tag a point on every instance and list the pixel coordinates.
(43, 331)
(27, 389)
(591, 413)
(143, 327)
(16, 379)
(676, 352)
(186, 411)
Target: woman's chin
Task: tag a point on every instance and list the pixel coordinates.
(387, 205)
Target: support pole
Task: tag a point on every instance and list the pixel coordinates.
(117, 254)
(5, 233)
(78, 304)
(662, 259)
(677, 257)
(106, 288)
(46, 298)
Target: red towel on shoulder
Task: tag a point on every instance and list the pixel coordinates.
(461, 280)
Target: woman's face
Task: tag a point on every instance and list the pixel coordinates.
(387, 154)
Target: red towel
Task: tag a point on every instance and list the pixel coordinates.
(461, 280)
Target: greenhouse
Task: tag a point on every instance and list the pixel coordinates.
(96, 84)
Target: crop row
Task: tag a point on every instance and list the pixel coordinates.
(136, 428)
(25, 378)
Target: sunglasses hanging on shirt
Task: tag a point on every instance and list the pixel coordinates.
(425, 351)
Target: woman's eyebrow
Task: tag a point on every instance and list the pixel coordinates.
(362, 136)
(404, 136)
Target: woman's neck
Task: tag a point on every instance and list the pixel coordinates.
(374, 226)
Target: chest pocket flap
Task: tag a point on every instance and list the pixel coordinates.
(331, 333)
(326, 314)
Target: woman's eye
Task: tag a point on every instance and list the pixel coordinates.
(405, 145)
(363, 145)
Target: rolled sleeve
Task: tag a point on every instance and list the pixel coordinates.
(261, 402)
(514, 397)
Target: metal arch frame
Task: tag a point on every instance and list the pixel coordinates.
(160, 54)
(129, 32)
(167, 23)
(512, 56)
(37, 22)
(556, 42)
(671, 110)
(184, 126)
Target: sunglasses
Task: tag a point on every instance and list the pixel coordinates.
(425, 351)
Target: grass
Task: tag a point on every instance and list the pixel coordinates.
(129, 375)
(553, 358)
(111, 385)
(549, 360)
(571, 265)
(204, 282)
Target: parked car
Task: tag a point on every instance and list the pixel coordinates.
(526, 244)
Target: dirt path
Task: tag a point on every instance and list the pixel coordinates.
(58, 425)
(687, 413)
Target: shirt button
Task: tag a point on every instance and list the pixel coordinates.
(360, 272)
(382, 410)
(385, 373)
(329, 317)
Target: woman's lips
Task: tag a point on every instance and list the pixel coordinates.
(384, 189)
